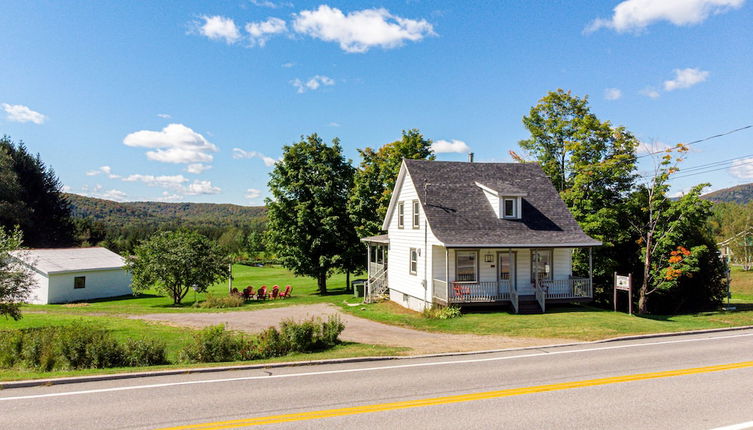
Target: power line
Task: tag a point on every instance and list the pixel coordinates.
(698, 167)
(703, 140)
(744, 163)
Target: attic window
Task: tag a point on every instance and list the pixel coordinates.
(508, 209)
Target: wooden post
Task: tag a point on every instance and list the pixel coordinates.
(630, 294)
(614, 287)
(447, 274)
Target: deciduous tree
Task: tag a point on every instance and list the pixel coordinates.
(16, 281)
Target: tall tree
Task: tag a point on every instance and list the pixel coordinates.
(16, 281)
(174, 262)
(375, 179)
(592, 164)
(34, 199)
(308, 221)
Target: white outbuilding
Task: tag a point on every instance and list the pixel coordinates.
(66, 275)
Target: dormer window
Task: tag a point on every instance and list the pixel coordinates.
(508, 208)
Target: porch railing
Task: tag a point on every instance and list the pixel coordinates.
(568, 288)
(478, 292)
(440, 290)
(541, 294)
(514, 296)
(376, 286)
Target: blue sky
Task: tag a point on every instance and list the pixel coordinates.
(193, 101)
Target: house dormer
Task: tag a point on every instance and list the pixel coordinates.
(506, 200)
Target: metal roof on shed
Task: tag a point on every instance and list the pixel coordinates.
(64, 260)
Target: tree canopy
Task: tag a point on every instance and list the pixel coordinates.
(16, 281)
(308, 227)
(174, 262)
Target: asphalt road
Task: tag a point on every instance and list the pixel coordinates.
(689, 382)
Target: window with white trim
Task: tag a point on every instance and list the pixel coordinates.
(400, 215)
(509, 208)
(413, 267)
(416, 214)
(466, 266)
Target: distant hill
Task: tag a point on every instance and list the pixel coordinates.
(738, 194)
(158, 213)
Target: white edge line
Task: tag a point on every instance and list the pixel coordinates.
(741, 426)
(371, 369)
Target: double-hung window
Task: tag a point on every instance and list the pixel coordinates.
(416, 214)
(466, 266)
(413, 267)
(400, 215)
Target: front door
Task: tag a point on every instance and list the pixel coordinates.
(506, 272)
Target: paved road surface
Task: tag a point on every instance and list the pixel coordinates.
(689, 382)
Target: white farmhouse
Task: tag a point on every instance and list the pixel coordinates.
(477, 234)
(73, 274)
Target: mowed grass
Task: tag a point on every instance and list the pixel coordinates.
(304, 292)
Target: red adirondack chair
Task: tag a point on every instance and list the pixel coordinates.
(275, 291)
(235, 292)
(248, 292)
(262, 293)
(287, 291)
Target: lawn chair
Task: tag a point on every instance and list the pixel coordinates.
(275, 291)
(460, 290)
(235, 292)
(262, 293)
(248, 292)
(286, 293)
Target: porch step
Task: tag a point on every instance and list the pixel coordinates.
(529, 307)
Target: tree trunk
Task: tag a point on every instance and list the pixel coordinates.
(347, 281)
(321, 282)
(643, 294)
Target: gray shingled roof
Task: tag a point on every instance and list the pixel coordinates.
(460, 215)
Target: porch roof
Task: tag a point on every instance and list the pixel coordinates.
(381, 239)
(460, 215)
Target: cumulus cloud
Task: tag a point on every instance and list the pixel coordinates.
(169, 197)
(66, 188)
(163, 181)
(334, 124)
(447, 146)
(176, 143)
(287, 65)
(361, 30)
(612, 93)
(99, 192)
(201, 187)
(636, 15)
(650, 92)
(312, 83)
(253, 193)
(686, 78)
(21, 113)
(742, 169)
(197, 168)
(106, 170)
(240, 154)
(260, 32)
(219, 28)
(271, 4)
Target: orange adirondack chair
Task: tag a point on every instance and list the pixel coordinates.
(262, 293)
(275, 291)
(287, 292)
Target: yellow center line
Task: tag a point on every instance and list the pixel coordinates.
(354, 410)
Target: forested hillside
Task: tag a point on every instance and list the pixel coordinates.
(738, 194)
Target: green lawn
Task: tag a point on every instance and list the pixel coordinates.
(742, 285)
(304, 292)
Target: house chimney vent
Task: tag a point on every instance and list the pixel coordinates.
(470, 157)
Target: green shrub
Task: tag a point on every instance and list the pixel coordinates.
(144, 352)
(442, 313)
(331, 330)
(214, 344)
(229, 301)
(84, 346)
(300, 337)
(10, 347)
(39, 349)
(270, 343)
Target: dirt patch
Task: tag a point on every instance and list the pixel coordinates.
(356, 329)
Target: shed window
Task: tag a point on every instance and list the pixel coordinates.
(466, 266)
(413, 261)
(400, 215)
(416, 213)
(79, 282)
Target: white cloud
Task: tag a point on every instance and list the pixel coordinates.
(287, 65)
(240, 153)
(164, 181)
(197, 168)
(66, 188)
(360, 30)
(270, 4)
(176, 143)
(650, 92)
(686, 78)
(218, 27)
(612, 93)
(106, 170)
(164, 115)
(334, 124)
(21, 113)
(169, 197)
(312, 84)
(201, 187)
(652, 147)
(454, 145)
(252, 193)
(260, 32)
(636, 15)
(99, 192)
(742, 169)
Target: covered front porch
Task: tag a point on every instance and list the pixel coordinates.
(526, 278)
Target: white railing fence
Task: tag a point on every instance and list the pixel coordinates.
(440, 290)
(568, 288)
(376, 287)
(514, 297)
(540, 294)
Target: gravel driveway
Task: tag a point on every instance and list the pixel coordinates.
(357, 329)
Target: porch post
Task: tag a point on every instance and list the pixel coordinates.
(447, 274)
(368, 260)
(590, 263)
